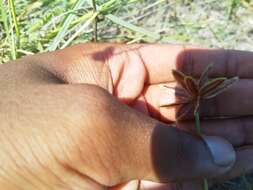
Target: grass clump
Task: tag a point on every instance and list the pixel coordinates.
(28, 27)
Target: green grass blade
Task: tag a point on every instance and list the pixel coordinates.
(80, 30)
(197, 123)
(13, 43)
(205, 185)
(12, 10)
(198, 129)
(55, 43)
(8, 27)
(132, 27)
(232, 5)
(4, 17)
(25, 52)
(95, 35)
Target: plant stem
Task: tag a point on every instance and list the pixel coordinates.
(197, 126)
(13, 44)
(95, 36)
(197, 123)
(205, 186)
(15, 21)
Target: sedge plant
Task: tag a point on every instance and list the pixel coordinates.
(196, 90)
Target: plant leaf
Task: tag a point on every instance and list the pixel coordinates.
(179, 77)
(191, 85)
(183, 111)
(179, 92)
(176, 104)
(211, 85)
(222, 87)
(132, 27)
(182, 93)
(196, 106)
(204, 75)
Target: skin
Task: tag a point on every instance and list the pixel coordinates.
(89, 117)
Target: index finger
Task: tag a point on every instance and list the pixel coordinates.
(158, 59)
(161, 59)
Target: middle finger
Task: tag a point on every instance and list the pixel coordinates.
(238, 131)
(233, 102)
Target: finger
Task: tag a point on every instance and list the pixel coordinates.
(132, 185)
(115, 67)
(161, 59)
(237, 131)
(225, 104)
(140, 105)
(189, 185)
(234, 102)
(148, 185)
(123, 69)
(156, 96)
(243, 165)
(158, 59)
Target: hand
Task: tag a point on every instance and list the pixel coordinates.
(136, 76)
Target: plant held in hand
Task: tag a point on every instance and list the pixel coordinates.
(197, 90)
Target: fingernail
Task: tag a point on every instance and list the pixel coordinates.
(222, 151)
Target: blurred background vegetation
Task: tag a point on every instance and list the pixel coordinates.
(31, 26)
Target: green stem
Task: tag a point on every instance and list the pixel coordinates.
(198, 129)
(13, 44)
(197, 123)
(95, 36)
(205, 186)
(15, 21)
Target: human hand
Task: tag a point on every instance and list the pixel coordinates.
(138, 84)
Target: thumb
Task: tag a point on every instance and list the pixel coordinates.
(159, 152)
